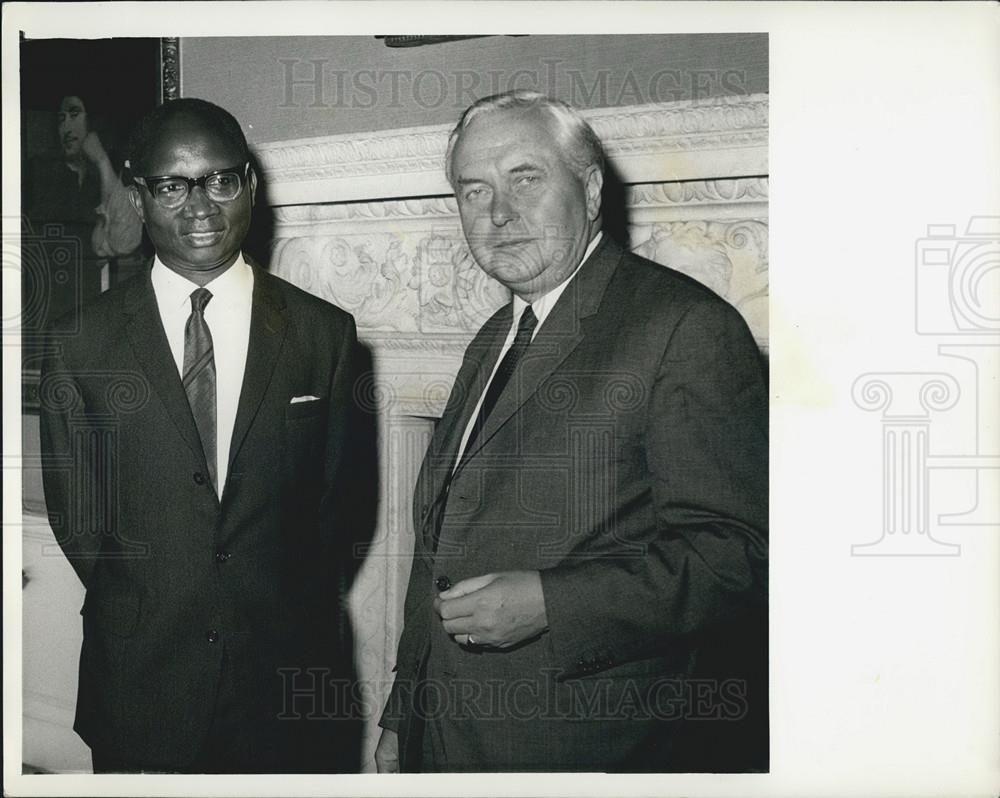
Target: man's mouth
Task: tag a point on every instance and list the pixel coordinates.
(511, 242)
(204, 238)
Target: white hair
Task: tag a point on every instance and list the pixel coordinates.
(580, 144)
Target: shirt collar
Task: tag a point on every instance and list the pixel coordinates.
(546, 302)
(175, 290)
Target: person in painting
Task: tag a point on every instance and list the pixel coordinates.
(198, 429)
(589, 581)
(77, 196)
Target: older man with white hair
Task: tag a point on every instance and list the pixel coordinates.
(591, 514)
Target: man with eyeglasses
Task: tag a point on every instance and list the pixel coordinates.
(200, 437)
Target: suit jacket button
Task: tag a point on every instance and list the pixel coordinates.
(199, 478)
(211, 636)
(442, 583)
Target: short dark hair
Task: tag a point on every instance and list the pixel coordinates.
(147, 130)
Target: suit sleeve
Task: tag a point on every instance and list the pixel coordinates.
(410, 646)
(118, 230)
(343, 415)
(68, 475)
(706, 560)
(350, 486)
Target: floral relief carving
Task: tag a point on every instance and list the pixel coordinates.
(411, 271)
(730, 257)
(420, 281)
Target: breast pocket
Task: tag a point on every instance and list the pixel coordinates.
(303, 411)
(305, 435)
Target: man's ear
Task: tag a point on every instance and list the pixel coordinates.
(593, 184)
(136, 201)
(253, 185)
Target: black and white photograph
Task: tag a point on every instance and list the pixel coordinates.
(394, 408)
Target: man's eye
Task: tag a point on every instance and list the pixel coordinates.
(170, 188)
(226, 180)
(475, 193)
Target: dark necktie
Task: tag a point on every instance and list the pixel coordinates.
(199, 377)
(525, 328)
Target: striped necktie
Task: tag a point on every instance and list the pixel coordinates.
(199, 377)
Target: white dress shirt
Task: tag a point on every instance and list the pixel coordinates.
(541, 307)
(228, 317)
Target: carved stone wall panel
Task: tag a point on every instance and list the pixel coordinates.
(376, 598)
(393, 280)
(402, 267)
(729, 256)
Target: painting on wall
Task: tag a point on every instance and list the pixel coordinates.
(79, 235)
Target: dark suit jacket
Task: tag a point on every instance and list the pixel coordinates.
(173, 576)
(627, 461)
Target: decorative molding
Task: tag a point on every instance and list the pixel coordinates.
(170, 66)
(374, 211)
(739, 193)
(683, 140)
(699, 192)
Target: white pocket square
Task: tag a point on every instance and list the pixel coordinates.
(309, 398)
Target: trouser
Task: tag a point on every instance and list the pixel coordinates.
(234, 743)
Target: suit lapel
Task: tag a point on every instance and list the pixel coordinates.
(149, 343)
(468, 387)
(561, 333)
(267, 334)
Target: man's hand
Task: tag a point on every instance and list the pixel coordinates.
(93, 149)
(497, 610)
(387, 752)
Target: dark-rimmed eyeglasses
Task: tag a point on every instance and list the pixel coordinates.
(172, 191)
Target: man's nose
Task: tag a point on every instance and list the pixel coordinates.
(199, 203)
(501, 210)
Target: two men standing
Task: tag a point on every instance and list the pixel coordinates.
(590, 517)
